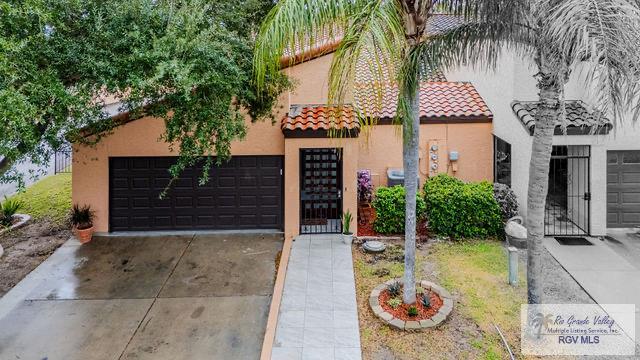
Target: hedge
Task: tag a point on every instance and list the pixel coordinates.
(462, 210)
(389, 206)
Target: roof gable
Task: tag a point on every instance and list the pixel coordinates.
(579, 120)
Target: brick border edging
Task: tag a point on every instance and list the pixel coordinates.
(435, 320)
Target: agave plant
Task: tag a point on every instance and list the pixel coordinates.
(425, 300)
(394, 288)
(8, 208)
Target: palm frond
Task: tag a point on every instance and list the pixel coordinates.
(602, 37)
(373, 44)
(296, 24)
(489, 28)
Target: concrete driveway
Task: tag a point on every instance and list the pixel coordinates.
(169, 297)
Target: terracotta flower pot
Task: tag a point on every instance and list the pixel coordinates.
(84, 235)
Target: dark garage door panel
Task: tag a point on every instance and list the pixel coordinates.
(244, 193)
(623, 188)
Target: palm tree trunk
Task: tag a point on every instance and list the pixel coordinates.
(547, 113)
(411, 135)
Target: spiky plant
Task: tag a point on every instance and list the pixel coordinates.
(81, 217)
(385, 36)
(425, 300)
(8, 208)
(394, 288)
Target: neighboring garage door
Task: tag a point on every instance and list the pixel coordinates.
(623, 188)
(244, 193)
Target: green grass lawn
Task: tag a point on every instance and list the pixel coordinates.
(49, 198)
(476, 273)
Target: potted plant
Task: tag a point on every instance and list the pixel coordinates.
(347, 235)
(81, 218)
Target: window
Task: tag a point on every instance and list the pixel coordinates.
(631, 157)
(501, 161)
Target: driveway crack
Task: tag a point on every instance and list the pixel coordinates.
(146, 319)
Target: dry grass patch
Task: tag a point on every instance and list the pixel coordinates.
(475, 273)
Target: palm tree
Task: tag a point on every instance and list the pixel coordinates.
(386, 35)
(600, 37)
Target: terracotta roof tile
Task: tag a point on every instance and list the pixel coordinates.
(369, 71)
(438, 101)
(578, 119)
(320, 117)
(329, 39)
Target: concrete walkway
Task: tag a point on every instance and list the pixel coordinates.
(318, 315)
(606, 276)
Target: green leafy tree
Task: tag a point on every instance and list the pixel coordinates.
(188, 62)
(388, 36)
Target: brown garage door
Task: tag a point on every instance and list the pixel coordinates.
(623, 188)
(244, 193)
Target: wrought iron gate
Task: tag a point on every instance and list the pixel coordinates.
(567, 207)
(320, 191)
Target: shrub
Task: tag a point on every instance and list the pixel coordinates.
(389, 205)
(506, 199)
(462, 210)
(9, 208)
(365, 186)
(412, 311)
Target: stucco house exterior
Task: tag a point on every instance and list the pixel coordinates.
(290, 176)
(594, 180)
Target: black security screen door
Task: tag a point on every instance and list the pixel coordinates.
(567, 207)
(320, 191)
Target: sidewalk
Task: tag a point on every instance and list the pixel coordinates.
(606, 276)
(318, 316)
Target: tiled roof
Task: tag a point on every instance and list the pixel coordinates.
(320, 117)
(438, 24)
(439, 101)
(376, 96)
(368, 71)
(329, 40)
(578, 119)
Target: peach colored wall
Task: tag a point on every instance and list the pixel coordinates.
(311, 81)
(90, 177)
(381, 148)
(292, 148)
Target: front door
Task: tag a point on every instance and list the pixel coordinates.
(567, 208)
(320, 191)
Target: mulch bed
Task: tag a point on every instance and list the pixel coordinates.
(365, 226)
(401, 312)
